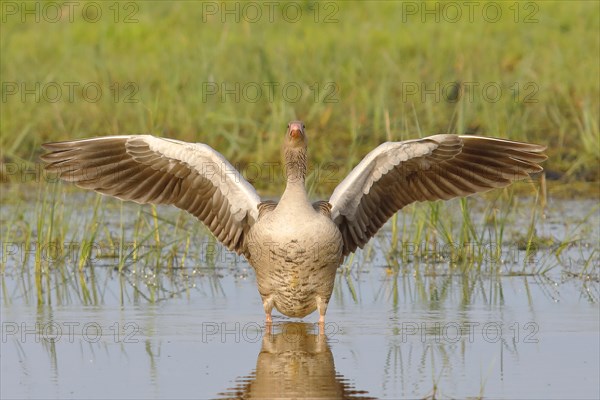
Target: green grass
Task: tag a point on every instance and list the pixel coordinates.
(374, 54)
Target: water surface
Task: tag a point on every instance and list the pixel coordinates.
(198, 331)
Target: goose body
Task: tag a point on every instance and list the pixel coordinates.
(294, 246)
(295, 251)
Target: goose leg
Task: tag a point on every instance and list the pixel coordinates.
(321, 325)
(322, 307)
(268, 326)
(268, 305)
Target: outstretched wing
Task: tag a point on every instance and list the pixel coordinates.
(396, 174)
(147, 169)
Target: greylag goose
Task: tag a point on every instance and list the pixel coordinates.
(294, 246)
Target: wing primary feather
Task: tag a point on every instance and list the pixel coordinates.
(147, 169)
(439, 167)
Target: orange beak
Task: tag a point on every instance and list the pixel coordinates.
(296, 131)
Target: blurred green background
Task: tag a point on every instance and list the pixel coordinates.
(357, 73)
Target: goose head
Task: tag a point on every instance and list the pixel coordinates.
(295, 137)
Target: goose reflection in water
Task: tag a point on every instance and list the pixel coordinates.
(295, 362)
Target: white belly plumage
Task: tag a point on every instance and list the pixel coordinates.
(296, 264)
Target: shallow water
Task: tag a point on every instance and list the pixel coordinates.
(427, 332)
